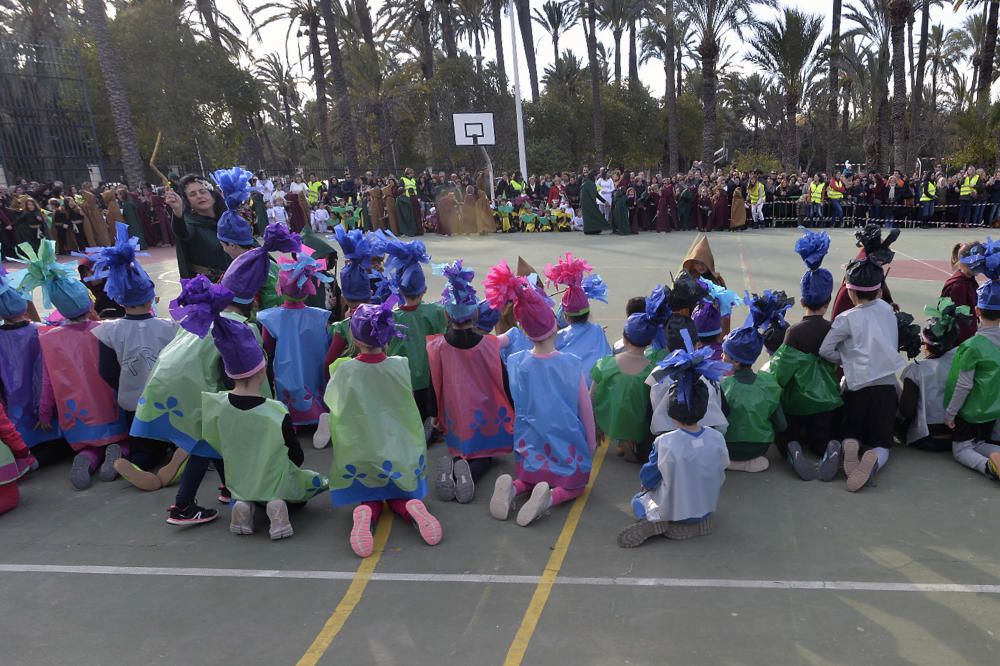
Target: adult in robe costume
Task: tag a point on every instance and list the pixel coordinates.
(593, 218)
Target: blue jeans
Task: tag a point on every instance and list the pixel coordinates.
(978, 210)
(816, 211)
(927, 209)
(994, 214)
(965, 211)
(836, 213)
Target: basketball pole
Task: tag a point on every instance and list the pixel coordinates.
(517, 98)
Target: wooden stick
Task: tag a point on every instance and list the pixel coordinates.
(152, 159)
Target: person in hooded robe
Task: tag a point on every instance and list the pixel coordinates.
(738, 211)
(93, 222)
(112, 212)
(391, 209)
(131, 217)
(593, 219)
(700, 262)
(376, 208)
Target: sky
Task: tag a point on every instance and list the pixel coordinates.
(651, 73)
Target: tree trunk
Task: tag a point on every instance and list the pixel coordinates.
(898, 11)
(845, 121)
(680, 68)
(293, 152)
(426, 47)
(555, 47)
(792, 145)
(479, 58)
(524, 21)
(267, 140)
(447, 29)
(909, 50)
(633, 57)
(617, 35)
(381, 117)
(590, 28)
(709, 51)
(342, 101)
(916, 102)
(673, 134)
(989, 54)
(121, 112)
(497, 24)
(319, 78)
(831, 121)
(882, 132)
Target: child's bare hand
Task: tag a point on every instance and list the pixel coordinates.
(950, 422)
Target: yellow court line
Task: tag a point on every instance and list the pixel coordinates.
(351, 598)
(515, 653)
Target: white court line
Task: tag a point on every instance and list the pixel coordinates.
(931, 266)
(609, 581)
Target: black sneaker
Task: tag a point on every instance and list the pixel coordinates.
(224, 495)
(192, 514)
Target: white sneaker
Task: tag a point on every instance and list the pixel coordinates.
(281, 526)
(503, 497)
(322, 435)
(758, 464)
(536, 506)
(241, 520)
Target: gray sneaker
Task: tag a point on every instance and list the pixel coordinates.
(79, 473)
(444, 479)
(107, 472)
(830, 464)
(680, 531)
(802, 467)
(465, 487)
(640, 531)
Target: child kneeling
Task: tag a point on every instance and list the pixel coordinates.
(687, 467)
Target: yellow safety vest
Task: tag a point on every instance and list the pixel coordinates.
(816, 192)
(410, 186)
(929, 192)
(312, 195)
(756, 193)
(969, 186)
(518, 186)
(834, 194)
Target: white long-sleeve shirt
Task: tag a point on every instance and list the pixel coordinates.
(865, 342)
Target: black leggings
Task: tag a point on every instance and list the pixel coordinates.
(51, 452)
(192, 475)
(146, 453)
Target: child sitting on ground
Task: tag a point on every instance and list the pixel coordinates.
(88, 411)
(922, 418)
(864, 340)
(129, 348)
(585, 340)
(554, 420)
(810, 390)
(974, 381)
(687, 466)
(754, 400)
(474, 413)
(254, 435)
(379, 448)
(619, 393)
(15, 461)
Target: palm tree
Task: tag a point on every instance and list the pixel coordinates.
(944, 50)
(555, 19)
(209, 21)
(870, 67)
(278, 79)
(786, 49)
(985, 81)
(637, 9)
(974, 27)
(565, 77)
(305, 16)
(472, 26)
(496, 25)
(710, 21)
(524, 22)
(447, 28)
(916, 112)
(342, 101)
(831, 119)
(899, 12)
(370, 53)
(401, 18)
(658, 41)
(121, 113)
(589, 15)
(614, 15)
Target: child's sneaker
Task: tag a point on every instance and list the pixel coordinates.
(225, 497)
(192, 514)
(830, 464)
(428, 428)
(993, 467)
(112, 453)
(79, 473)
(851, 460)
(427, 525)
(863, 472)
(444, 479)
(241, 520)
(536, 506)
(802, 467)
(754, 465)
(640, 531)
(465, 487)
(681, 531)
(139, 478)
(281, 526)
(322, 435)
(362, 542)
(503, 497)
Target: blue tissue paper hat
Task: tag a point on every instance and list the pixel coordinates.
(403, 264)
(125, 281)
(235, 186)
(459, 296)
(817, 282)
(12, 303)
(358, 248)
(987, 262)
(60, 283)
(488, 317)
(642, 327)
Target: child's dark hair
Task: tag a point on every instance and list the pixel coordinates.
(635, 305)
(578, 318)
(989, 315)
(866, 295)
(814, 306)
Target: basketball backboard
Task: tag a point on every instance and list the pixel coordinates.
(474, 129)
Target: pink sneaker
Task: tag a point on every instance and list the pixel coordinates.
(362, 542)
(427, 525)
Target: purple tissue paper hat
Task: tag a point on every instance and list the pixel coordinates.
(249, 271)
(373, 325)
(707, 319)
(459, 295)
(241, 353)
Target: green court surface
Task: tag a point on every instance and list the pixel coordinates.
(906, 572)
